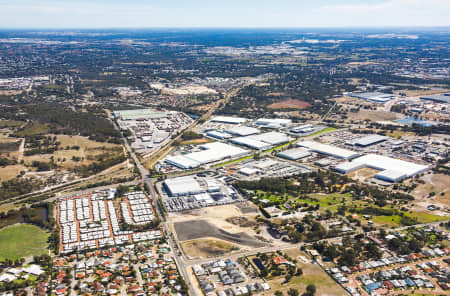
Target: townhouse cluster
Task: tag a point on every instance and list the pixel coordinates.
(93, 220)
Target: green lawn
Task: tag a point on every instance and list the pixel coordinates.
(232, 161)
(327, 200)
(422, 218)
(22, 240)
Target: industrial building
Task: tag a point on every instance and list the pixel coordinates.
(243, 131)
(251, 143)
(273, 123)
(376, 97)
(270, 167)
(328, 149)
(191, 192)
(294, 154)
(367, 140)
(228, 119)
(262, 141)
(182, 186)
(303, 129)
(139, 114)
(392, 170)
(440, 98)
(218, 134)
(211, 152)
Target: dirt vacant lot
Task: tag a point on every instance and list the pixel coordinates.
(196, 229)
(373, 115)
(207, 247)
(290, 104)
(312, 274)
(436, 183)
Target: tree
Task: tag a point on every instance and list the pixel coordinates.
(311, 290)
(293, 292)
(278, 293)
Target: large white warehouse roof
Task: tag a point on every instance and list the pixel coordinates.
(243, 131)
(295, 153)
(392, 169)
(381, 162)
(182, 162)
(273, 138)
(328, 149)
(183, 186)
(229, 119)
(262, 141)
(218, 134)
(273, 122)
(251, 143)
(212, 152)
(368, 140)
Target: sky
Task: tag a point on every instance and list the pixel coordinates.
(224, 13)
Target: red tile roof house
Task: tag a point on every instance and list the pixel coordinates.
(97, 286)
(388, 285)
(134, 289)
(279, 260)
(41, 289)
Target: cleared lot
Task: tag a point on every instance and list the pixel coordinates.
(196, 229)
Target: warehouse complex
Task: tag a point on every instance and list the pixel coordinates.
(191, 192)
(328, 149)
(150, 129)
(392, 170)
(209, 153)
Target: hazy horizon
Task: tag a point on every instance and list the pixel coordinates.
(158, 14)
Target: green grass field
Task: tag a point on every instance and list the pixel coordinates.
(394, 221)
(22, 240)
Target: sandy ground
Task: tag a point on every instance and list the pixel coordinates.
(184, 90)
(415, 93)
(363, 174)
(289, 104)
(207, 247)
(10, 172)
(373, 115)
(437, 183)
(312, 274)
(201, 226)
(195, 229)
(217, 216)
